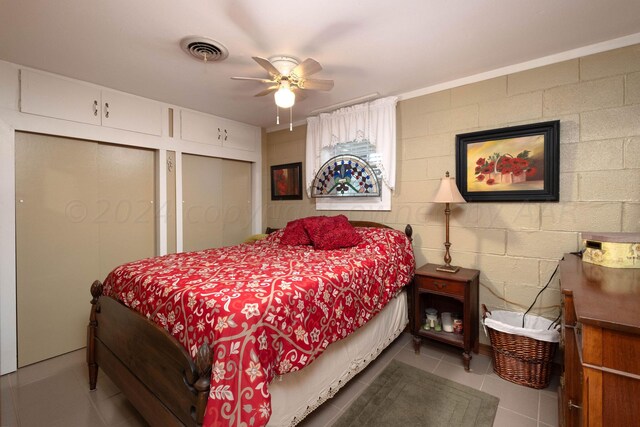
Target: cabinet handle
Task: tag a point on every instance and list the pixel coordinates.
(106, 110)
(440, 285)
(573, 405)
(219, 134)
(95, 107)
(225, 134)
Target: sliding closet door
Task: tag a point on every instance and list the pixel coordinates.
(56, 243)
(236, 196)
(202, 202)
(126, 189)
(82, 208)
(216, 202)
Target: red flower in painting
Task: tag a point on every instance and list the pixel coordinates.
(281, 181)
(480, 161)
(506, 170)
(487, 170)
(491, 181)
(480, 177)
(517, 171)
(532, 171)
(478, 169)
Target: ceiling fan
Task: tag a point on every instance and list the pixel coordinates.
(289, 78)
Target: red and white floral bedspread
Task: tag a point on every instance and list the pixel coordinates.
(268, 308)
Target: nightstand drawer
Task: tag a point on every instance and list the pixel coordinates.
(440, 286)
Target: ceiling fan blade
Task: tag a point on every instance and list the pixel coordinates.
(301, 95)
(267, 91)
(257, 79)
(264, 63)
(308, 67)
(317, 84)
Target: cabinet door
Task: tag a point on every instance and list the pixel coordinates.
(240, 136)
(9, 86)
(51, 96)
(200, 127)
(129, 112)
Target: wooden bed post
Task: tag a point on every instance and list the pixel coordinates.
(204, 361)
(96, 292)
(408, 230)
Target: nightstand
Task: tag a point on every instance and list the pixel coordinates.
(447, 292)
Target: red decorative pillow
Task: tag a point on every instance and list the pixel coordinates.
(294, 234)
(331, 232)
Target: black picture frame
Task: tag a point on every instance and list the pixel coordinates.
(286, 181)
(515, 153)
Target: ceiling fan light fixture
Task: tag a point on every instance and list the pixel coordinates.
(284, 96)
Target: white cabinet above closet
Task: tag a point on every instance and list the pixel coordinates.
(208, 129)
(200, 127)
(62, 98)
(123, 111)
(239, 135)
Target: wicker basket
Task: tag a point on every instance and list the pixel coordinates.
(519, 359)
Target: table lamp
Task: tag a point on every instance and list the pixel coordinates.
(448, 193)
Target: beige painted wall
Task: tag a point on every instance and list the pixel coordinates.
(515, 245)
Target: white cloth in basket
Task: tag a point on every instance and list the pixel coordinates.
(511, 323)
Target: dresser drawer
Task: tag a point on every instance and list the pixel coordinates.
(440, 286)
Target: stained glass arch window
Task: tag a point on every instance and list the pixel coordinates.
(345, 175)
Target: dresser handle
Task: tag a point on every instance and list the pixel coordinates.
(573, 405)
(440, 285)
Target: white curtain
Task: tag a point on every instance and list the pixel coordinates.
(374, 121)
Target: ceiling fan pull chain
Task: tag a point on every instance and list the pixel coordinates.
(291, 119)
(277, 115)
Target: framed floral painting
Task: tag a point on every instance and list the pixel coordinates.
(519, 163)
(286, 181)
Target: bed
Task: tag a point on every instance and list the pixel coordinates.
(152, 332)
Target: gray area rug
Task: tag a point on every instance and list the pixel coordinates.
(406, 396)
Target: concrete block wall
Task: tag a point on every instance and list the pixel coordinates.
(515, 245)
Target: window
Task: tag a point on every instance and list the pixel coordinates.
(367, 131)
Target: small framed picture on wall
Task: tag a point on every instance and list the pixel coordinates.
(286, 181)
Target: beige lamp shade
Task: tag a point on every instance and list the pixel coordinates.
(448, 191)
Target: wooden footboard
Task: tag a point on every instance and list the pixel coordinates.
(149, 366)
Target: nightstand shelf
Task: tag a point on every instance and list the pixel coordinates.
(445, 337)
(447, 292)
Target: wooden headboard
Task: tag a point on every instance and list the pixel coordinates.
(408, 230)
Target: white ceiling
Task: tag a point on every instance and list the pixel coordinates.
(390, 47)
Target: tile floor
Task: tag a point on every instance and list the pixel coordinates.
(56, 393)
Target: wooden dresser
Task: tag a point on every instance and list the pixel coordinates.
(600, 385)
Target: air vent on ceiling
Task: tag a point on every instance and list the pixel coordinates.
(204, 49)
